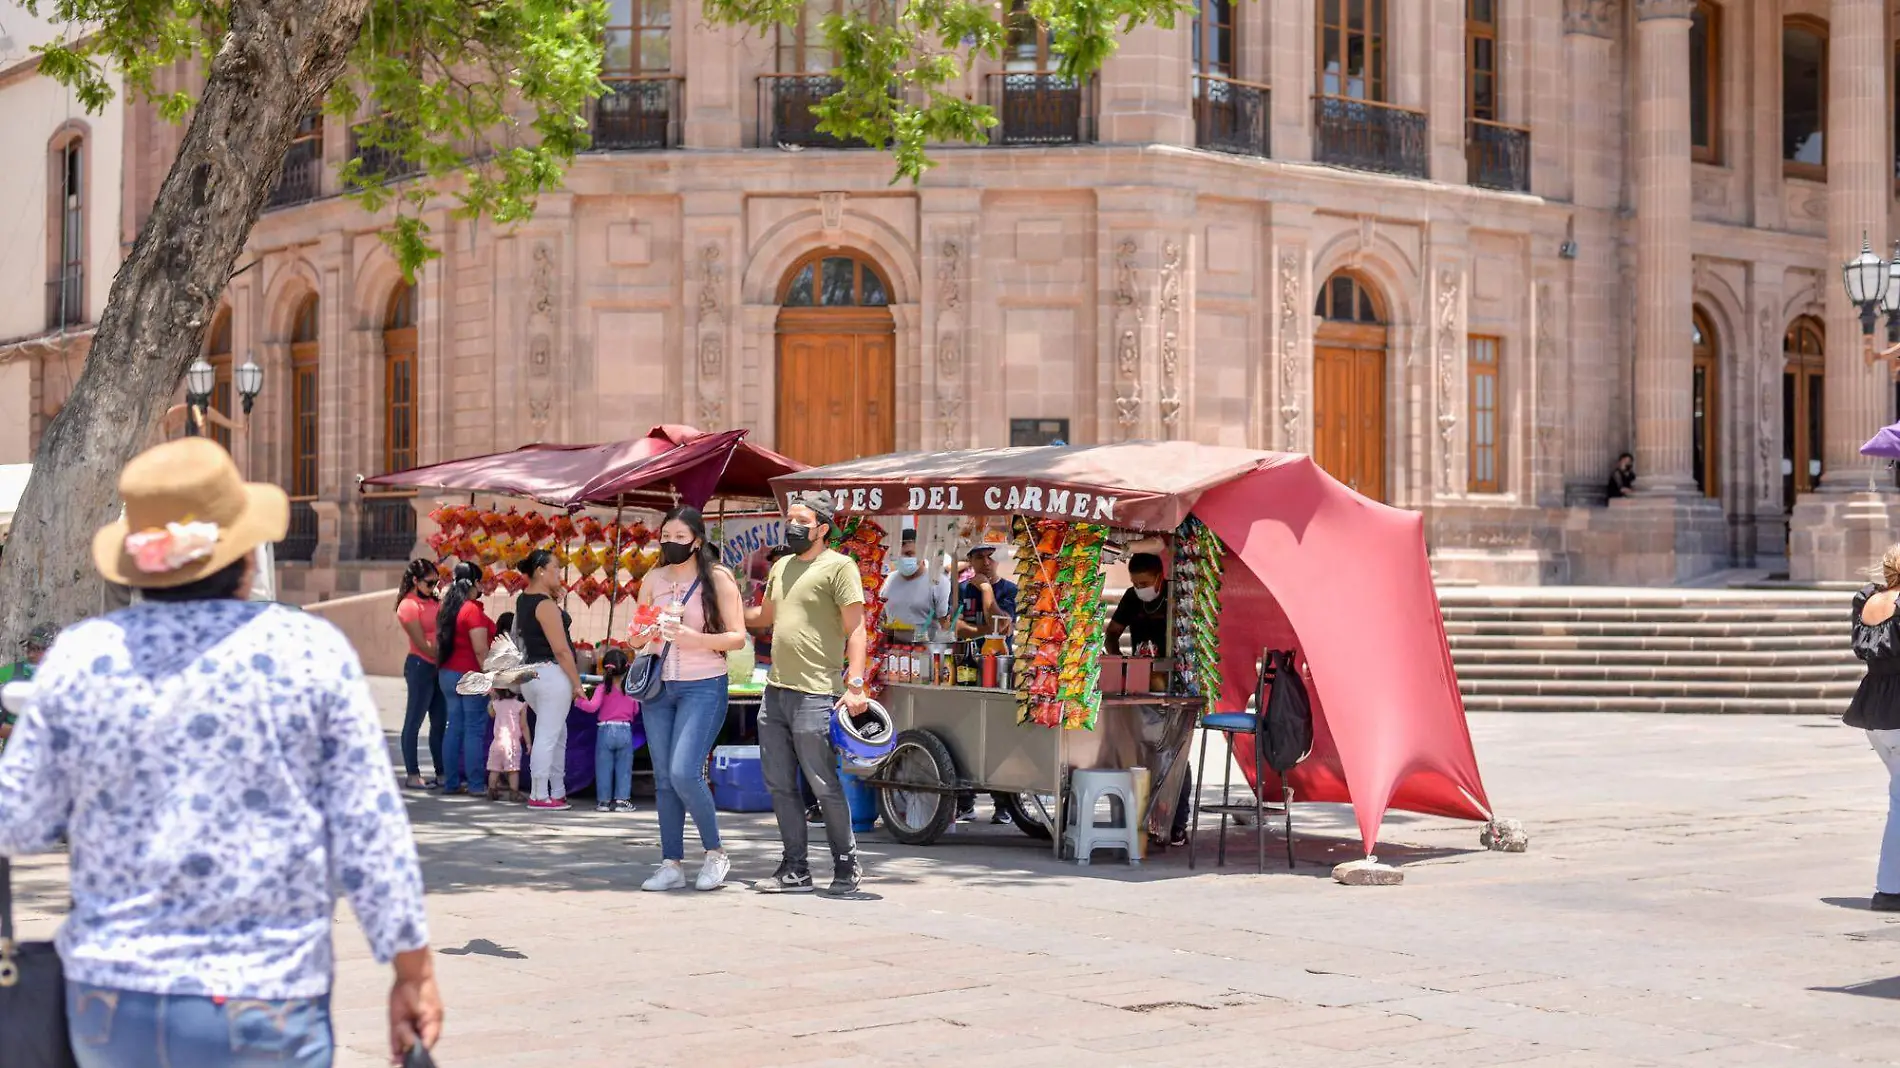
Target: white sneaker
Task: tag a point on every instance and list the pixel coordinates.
(669, 877)
(712, 874)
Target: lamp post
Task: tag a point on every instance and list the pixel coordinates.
(1874, 287)
(200, 379)
(250, 381)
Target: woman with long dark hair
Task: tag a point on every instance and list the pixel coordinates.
(416, 606)
(701, 620)
(546, 647)
(462, 631)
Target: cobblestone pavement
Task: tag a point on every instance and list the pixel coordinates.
(1695, 894)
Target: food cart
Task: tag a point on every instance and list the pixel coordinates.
(1268, 552)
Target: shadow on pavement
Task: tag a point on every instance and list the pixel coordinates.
(1876, 988)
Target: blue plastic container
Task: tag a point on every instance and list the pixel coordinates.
(861, 798)
(738, 780)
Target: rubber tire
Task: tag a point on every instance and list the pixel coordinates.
(931, 746)
(1027, 817)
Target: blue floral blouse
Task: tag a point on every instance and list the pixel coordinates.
(221, 773)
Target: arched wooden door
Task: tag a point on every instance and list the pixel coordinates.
(1705, 408)
(1803, 395)
(837, 367)
(1349, 386)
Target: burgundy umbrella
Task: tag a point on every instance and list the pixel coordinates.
(639, 472)
(1885, 444)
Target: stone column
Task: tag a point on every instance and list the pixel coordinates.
(1858, 168)
(1663, 212)
(1591, 162)
(1143, 89)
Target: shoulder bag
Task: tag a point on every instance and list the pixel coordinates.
(32, 995)
(643, 681)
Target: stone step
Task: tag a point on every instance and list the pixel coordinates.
(1665, 688)
(1834, 614)
(1849, 673)
(1529, 643)
(1680, 705)
(1642, 656)
(1617, 597)
(1640, 628)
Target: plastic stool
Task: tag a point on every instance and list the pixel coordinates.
(1086, 790)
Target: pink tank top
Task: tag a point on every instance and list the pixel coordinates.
(686, 665)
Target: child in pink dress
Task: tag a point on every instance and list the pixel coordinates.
(511, 741)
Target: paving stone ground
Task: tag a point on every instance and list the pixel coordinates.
(1695, 894)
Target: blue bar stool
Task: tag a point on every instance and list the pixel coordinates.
(1229, 724)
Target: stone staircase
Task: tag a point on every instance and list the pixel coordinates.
(1586, 649)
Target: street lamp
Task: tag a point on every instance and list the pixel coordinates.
(200, 379)
(250, 377)
(1874, 287)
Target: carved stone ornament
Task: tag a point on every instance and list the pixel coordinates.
(1289, 350)
(1126, 295)
(1127, 340)
(711, 355)
(540, 381)
(541, 282)
(950, 342)
(1170, 335)
(1664, 9)
(1447, 374)
(949, 275)
(1595, 18)
(831, 211)
(1768, 408)
(1549, 419)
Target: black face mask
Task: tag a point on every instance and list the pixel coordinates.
(675, 552)
(797, 537)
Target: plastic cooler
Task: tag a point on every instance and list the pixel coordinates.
(738, 780)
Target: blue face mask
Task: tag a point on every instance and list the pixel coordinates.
(907, 566)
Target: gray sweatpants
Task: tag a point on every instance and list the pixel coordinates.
(795, 735)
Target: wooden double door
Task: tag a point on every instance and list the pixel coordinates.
(1349, 415)
(837, 385)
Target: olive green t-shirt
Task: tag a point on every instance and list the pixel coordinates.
(807, 625)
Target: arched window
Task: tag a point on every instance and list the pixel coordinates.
(1215, 37)
(303, 399)
(1349, 354)
(1803, 394)
(1705, 82)
(66, 251)
(399, 380)
(1704, 405)
(218, 355)
(1804, 97)
(835, 282)
(1351, 54)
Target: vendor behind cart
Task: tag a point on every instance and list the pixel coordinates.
(916, 597)
(987, 602)
(1142, 614)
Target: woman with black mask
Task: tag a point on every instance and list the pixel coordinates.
(416, 606)
(462, 632)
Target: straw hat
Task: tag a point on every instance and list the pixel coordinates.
(188, 515)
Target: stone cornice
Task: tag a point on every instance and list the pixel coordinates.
(1593, 18)
(1664, 9)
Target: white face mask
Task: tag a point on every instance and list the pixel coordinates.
(907, 566)
(1147, 594)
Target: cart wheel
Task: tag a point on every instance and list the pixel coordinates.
(1032, 813)
(918, 817)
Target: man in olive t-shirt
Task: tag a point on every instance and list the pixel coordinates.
(814, 603)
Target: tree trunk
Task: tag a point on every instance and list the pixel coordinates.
(275, 63)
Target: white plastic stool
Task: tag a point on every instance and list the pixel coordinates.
(1086, 790)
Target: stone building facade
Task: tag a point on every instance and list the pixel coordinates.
(1464, 251)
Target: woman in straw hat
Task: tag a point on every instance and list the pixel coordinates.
(219, 768)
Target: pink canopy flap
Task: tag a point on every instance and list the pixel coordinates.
(1344, 581)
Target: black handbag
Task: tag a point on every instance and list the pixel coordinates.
(643, 681)
(32, 995)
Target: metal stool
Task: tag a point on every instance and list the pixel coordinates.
(1082, 834)
(1229, 724)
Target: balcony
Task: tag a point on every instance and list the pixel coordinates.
(385, 164)
(300, 542)
(388, 531)
(785, 115)
(636, 114)
(1041, 108)
(66, 298)
(301, 181)
(1498, 156)
(1231, 116)
(1369, 136)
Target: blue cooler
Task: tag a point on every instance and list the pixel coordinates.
(861, 798)
(738, 780)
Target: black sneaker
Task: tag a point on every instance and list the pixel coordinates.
(788, 879)
(1001, 818)
(966, 815)
(1886, 902)
(846, 874)
(814, 815)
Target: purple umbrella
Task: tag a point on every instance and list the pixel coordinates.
(1885, 444)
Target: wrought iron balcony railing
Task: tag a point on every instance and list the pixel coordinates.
(300, 541)
(785, 115)
(1041, 108)
(303, 174)
(387, 163)
(1231, 116)
(638, 113)
(1498, 156)
(1370, 136)
(388, 530)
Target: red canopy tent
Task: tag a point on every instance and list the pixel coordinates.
(1310, 566)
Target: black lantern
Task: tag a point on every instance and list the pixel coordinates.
(200, 379)
(1873, 285)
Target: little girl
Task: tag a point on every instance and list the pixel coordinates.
(510, 745)
(613, 746)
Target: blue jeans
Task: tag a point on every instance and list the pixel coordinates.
(1887, 876)
(425, 698)
(464, 759)
(125, 1029)
(613, 762)
(682, 725)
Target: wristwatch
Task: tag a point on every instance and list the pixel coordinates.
(854, 683)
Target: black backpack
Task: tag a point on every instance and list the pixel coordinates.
(1286, 726)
